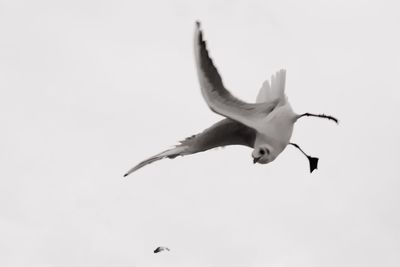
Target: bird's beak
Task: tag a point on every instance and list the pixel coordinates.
(255, 160)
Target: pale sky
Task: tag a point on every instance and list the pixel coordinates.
(90, 88)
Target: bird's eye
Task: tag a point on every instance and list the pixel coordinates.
(262, 151)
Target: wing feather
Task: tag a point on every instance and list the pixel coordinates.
(223, 133)
(218, 98)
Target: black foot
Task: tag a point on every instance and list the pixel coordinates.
(313, 163)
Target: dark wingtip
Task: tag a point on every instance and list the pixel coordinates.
(313, 163)
(199, 33)
(331, 118)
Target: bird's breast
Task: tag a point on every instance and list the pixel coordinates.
(279, 127)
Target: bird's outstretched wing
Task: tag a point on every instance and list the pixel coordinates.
(223, 133)
(218, 98)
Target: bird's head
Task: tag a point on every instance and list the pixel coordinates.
(263, 154)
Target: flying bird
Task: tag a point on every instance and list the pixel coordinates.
(266, 126)
(159, 249)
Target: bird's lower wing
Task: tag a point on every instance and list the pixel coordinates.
(170, 153)
(218, 98)
(223, 133)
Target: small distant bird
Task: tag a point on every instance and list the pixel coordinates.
(159, 249)
(266, 126)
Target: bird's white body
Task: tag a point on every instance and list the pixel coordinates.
(276, 130)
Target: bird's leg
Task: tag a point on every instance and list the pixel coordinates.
(318, 116)
(313, 161)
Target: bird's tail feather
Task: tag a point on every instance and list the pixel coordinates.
(274, 91)
(170, 153)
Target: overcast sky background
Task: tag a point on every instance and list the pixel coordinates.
(90, 88)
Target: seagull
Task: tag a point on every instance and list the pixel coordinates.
(266, 126)
(159, 249)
